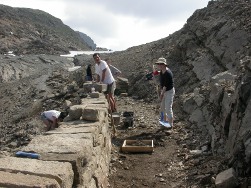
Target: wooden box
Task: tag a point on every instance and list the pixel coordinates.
(137, 146)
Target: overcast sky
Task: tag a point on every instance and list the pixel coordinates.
(118, 24)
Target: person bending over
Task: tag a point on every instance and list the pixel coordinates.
(51, 118)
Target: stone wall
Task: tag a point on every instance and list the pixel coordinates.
(77, 154)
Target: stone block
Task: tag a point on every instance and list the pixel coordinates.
(116, 118)
(226, 179)
(75, 112)
(89, 100)
(93, 114)
(104, 106)
(46, 169)
(60, 143)
(72, 142)
(100, 88)
(67, 104)
(87, 87)
(94, 95)
(17, 179)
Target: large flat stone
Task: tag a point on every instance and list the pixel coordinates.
(70, 143)
(8, 179)
(87, 86)
(73, 127)
(60, 171)
(60, 143)
(93, 105)
(89, 100)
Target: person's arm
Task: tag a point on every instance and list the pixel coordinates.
(162, 86)
(162, 92)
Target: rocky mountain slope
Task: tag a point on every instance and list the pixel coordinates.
(211, 61)
(210, 58)
(29, 31)
(87, 40)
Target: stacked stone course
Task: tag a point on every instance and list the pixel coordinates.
(77, 154)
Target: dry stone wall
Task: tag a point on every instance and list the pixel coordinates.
(77, 154)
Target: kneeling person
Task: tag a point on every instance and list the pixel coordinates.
(51, 118)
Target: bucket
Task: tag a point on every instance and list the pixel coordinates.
(128, 122)
(128, 114)
(116, 118)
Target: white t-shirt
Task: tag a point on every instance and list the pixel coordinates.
(108, 75)
(51, 113)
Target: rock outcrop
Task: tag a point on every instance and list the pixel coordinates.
(211, 59)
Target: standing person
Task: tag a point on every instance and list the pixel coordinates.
(89, 73)
(51, 118)
(167, 91)
(104, 75)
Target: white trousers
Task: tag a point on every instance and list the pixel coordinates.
(166, 105)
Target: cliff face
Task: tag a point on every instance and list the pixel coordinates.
(29, 31)
(211, 61)
(217, 46)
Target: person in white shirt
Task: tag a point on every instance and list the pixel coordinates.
(51, 118)
(104, 76)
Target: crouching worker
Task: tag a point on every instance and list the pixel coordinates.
(51, 118)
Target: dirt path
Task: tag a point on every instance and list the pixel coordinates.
(176, 160)
(162, 168)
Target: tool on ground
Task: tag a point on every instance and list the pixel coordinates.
(27, 155)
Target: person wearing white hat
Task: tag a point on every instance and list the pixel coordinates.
(167, 91)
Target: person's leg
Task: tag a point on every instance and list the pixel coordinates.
(169, 95)
(112, 102)
(46, 122)
(110, 97)
(52, 127)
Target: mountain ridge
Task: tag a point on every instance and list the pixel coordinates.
(30, 31)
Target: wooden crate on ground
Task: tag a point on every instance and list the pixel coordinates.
(137, 146)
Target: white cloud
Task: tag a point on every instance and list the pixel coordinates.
(118, 25)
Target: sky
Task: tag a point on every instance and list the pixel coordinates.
(118, 24)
